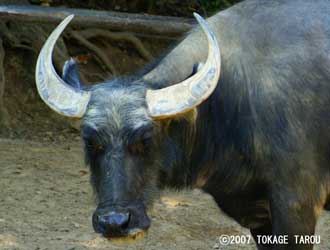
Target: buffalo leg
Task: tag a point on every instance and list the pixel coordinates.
(264, 230)
(292, 217)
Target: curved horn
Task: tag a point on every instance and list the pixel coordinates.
(59, 96)
(186, 95)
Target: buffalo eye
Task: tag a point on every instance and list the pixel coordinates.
(91, 139)
(141, 144)
(94, 146)
(99, 148)
(136, 148)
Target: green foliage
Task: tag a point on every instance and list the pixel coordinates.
(213, 6)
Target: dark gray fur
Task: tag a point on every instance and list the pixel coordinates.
(260, 144)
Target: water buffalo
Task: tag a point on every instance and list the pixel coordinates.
(256, 137)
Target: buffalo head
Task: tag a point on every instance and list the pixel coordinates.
(123, 132)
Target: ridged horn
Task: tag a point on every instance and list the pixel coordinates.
(186, 95)
(58, 95)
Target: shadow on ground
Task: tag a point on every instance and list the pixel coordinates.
(47, 202)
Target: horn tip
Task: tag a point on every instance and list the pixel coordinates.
(197, 16)
(70, 17)
(200, 20)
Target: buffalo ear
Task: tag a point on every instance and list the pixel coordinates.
(189, 116)
(197, 67)
(71, 74)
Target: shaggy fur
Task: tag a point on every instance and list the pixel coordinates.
(259, 145)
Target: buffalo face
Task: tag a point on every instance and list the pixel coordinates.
(121, 148)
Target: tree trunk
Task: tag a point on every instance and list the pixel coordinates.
(137, 23)
(3, 112)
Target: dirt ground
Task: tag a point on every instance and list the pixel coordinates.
(46, 202)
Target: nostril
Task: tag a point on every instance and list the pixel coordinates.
(117, 220)
(101, 220)
(97, 223)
